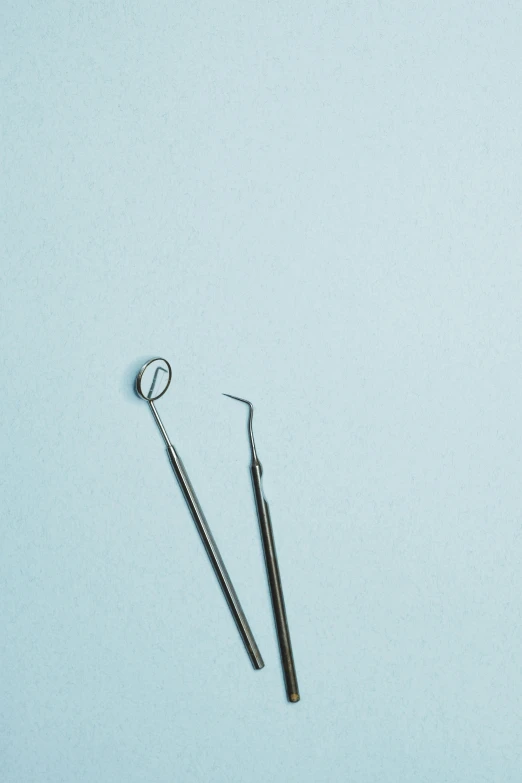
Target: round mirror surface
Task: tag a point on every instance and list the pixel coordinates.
(153, 379)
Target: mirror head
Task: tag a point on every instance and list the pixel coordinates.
(153, 379)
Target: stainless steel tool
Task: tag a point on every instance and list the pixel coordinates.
(272, 567)
(152, 382)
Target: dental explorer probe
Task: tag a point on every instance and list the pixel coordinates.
(272, 567)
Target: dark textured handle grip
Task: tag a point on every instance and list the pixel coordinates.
(276, 589)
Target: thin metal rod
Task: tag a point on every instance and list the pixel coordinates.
(272, 567)
(159, 423)
(211, 547)
(250, 418)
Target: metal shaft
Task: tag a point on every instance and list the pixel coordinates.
(274, 581)
(211, 547)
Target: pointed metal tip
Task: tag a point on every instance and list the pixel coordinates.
(250, 417)
(240, 399)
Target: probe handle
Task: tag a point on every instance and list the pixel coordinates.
(276, 588)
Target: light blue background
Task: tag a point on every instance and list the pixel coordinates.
(315, 205)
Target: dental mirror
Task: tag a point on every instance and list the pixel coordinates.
(152, 382)
(154, 379)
